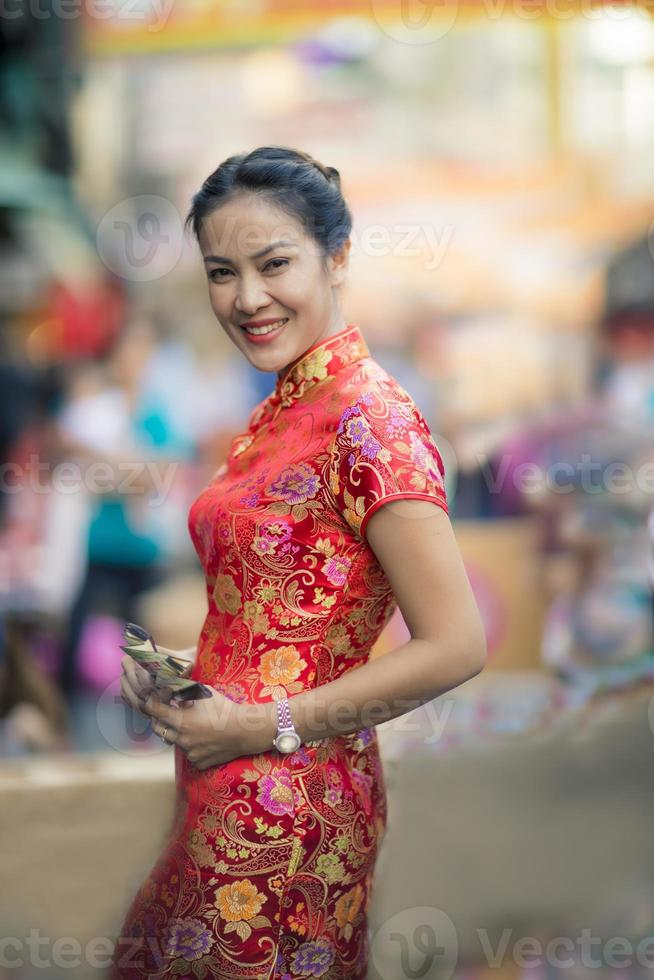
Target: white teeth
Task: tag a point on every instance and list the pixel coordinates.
(267, 329)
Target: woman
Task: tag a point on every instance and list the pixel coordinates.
(269, 866)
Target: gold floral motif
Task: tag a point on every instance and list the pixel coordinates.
(227, 594)
(239, 900)
(255, 617)
(347, 908)
(314, 365)
(280, 668)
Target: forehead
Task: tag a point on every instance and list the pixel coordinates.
(246, 224)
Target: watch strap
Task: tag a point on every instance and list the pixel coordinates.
(284, 720)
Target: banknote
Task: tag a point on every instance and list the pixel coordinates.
(164, 668)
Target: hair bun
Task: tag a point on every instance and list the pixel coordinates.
(330, 174)
(286, 173)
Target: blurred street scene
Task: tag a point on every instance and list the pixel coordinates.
(499, 164)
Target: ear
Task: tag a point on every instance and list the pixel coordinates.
(338, 264)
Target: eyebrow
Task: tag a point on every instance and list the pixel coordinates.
(257, 255)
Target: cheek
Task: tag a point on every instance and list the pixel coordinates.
(300, 287)
(218, 299)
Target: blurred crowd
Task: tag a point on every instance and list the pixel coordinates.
(101, 458)
(102, 454)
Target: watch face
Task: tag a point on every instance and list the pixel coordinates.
(288, 742)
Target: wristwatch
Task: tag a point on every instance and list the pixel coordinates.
(287, 739)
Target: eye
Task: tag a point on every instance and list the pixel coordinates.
(213, 272)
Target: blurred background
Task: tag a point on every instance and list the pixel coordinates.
(498, 159)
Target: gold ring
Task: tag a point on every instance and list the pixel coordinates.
(163, 735)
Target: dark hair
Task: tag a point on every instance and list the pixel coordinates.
(292, 180)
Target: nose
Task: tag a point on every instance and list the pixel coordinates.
(250, 296)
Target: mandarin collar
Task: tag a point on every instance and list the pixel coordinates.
(321, 360)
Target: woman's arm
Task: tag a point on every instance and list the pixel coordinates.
(415, 544)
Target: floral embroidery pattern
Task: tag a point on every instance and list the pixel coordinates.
(226, 594)
(370, 463)
(276, 793)
(279, 669)
(239, 901)
(313, 959)
(269, 869)
(188, 938)
(315, 364)
(296, 484)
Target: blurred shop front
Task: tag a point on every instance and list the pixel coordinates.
(499, 164)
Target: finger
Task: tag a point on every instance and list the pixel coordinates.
(139, 678)
(155, 707)
(144, 678)
(129, 696)
(159, 727)
(129, 673)
(127, 685)
(137, 696)
(138, 675)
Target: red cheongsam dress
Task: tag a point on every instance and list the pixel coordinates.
(268, 869)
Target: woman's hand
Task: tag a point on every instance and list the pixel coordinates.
(136, 683)
(210, 731)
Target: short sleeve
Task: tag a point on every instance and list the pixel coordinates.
(383, 450)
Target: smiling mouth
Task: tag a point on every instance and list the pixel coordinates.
(259, 331)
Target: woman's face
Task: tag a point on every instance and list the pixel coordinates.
(289, 282)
